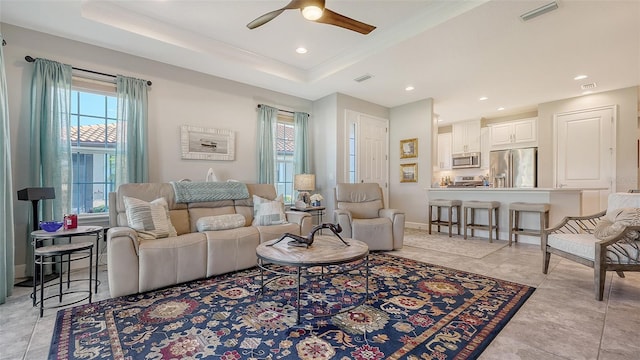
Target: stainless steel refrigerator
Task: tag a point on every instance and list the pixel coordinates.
(514, 168)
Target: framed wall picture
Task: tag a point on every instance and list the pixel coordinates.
(200, 143)
(408, 172)
(408, 148)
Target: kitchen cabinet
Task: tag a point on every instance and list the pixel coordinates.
(444, 151)
(514, 134)
(465, 137)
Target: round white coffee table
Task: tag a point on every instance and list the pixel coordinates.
(325, 251)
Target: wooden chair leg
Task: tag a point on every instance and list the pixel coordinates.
(490, 220)
(511, 214)
(497, 222)
(430, 218)
(465, 222)
(458, 218)
(546, 256)
(450, 219)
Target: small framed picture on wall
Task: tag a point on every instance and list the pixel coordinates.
(408, 148)
(409, 172)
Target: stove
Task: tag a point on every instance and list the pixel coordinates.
(466, 181)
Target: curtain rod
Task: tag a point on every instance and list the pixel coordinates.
(30, 59)
(286, 111)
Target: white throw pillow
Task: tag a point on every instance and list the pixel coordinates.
(607, 229)
(149, 219)
(268, 212)
(220, 222)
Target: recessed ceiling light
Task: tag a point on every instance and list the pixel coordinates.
(587, 92)
(483, 98)
(500, 108)
(580, 77)
(409, 88)
(301, 50)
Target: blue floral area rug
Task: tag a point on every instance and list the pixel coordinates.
(413, 310)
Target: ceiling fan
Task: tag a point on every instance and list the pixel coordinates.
(314, 10)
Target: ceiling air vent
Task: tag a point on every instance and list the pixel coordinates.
(539, 11)
(589, 86)
(363, 78)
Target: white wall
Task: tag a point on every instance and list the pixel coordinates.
(177, 97)
(414, 120)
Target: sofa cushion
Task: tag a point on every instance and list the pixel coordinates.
(149, 219)
(220, 222)
(268, 212)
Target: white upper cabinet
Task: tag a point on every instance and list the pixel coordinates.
(466, 137)
(444, 151)
(514, 134)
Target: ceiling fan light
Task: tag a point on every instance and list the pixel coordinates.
(312, 12)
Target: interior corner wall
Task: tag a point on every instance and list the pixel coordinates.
(414, 120)
(177, 97)
(626, 101)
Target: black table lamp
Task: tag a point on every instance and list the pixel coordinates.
(35, 194)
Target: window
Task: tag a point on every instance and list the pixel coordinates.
(284, 158)
(93, 140)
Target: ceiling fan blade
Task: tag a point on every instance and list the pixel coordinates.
(263, 19)
(333, 18)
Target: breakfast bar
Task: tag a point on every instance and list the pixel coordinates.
(563, 202)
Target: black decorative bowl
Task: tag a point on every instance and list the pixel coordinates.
(50, 226)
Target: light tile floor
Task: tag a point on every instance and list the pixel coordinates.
(561, 320)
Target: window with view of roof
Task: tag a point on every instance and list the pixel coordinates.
(285, 144)
(93, 141)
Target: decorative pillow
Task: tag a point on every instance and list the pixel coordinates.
(607, 229)
(220, 222)
(149, 219)
(268, 212)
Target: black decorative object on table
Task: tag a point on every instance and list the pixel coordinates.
(300, 241)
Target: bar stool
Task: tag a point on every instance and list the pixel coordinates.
(492, 208)
(450, 205)
(516, 208)
(47, 255)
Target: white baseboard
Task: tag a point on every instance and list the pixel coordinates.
(416, 225)
(20, 271)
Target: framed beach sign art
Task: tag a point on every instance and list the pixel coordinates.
(408, 148)
(408, 172)
(200, 143)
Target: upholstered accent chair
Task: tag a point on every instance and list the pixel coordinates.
(360, 210)
(606, 241)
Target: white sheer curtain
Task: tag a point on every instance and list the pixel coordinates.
(6, 192)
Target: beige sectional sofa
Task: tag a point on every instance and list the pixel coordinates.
(136, 264)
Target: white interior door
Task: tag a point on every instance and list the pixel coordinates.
(371, 160)
(585, 154)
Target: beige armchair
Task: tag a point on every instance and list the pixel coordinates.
(361, 213)
(606, 241)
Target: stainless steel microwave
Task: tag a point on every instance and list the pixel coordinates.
(468, 160)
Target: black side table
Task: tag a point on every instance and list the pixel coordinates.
(40, 235)
(317, 211)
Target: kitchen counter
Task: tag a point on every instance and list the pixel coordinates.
(487, 188)
(563, 201)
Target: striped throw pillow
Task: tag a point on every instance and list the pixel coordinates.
(149, 219)
(268, 212)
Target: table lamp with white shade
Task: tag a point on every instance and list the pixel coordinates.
(304, 184)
